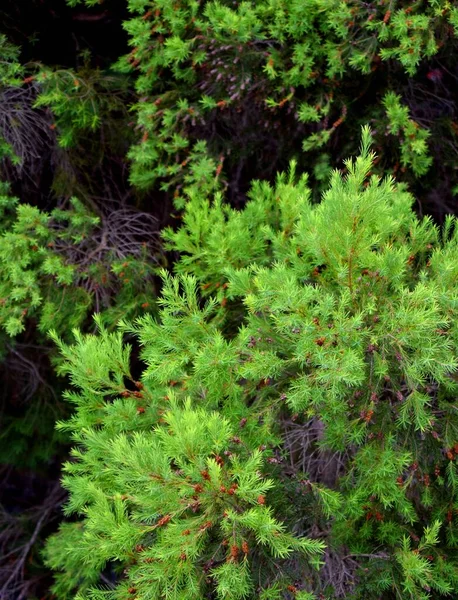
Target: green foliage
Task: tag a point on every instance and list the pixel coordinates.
(293, 400)
(11, 69)
(213, 72)
(337, 317)
(31, 269)
(414, 150)
(81, 100)
(164, 496)
(55, 269)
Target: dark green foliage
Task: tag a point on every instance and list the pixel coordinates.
(225, 88)
(91, 122)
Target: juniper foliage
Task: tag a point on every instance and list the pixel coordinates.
(239, 71)
(203, 479)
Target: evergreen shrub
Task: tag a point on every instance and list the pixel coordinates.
(225, 88)
(293, 433)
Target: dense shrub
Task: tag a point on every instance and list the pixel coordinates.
(55, 270)
(309, 400)
(213, 100)
(227, 88)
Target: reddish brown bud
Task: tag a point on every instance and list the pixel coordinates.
(164, 520)
(232, 489)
